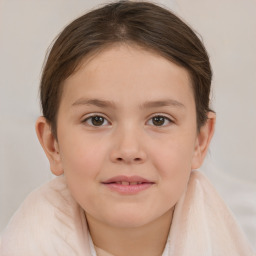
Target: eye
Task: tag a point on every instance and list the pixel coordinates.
(96, 120)
(159, 120)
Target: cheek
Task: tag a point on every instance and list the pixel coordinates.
(82, 161)
(82, 155)
(174, 157)
(174, 164)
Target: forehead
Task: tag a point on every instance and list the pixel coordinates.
(121, 71)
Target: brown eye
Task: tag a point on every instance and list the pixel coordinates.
(159, 121)
(96, 121)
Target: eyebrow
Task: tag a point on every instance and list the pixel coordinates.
(162, 103)
(95, 102)
(147, 104)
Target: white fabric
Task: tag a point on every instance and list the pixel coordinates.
(92, 249)
(50, 222)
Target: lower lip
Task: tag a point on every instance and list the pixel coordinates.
(128, 189)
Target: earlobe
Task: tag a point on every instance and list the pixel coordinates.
(49, 145)
(203, 140)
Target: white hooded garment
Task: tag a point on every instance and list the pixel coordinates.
(50, 222)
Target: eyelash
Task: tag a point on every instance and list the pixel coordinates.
(89, 119)
(166, 119)
(86, 120)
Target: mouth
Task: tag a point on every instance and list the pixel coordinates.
(128, 185)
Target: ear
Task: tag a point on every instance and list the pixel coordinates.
(203, 140)
(49, 145)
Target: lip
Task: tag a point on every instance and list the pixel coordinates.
(127, 179)
(115, 184)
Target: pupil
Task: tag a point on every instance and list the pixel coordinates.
(97, 120)
(158, 120)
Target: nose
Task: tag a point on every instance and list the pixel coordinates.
(128, 148)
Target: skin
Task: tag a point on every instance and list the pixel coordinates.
(127, 86)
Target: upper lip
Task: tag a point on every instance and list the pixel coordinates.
(127, 179)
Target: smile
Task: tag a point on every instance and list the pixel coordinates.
(128, 185)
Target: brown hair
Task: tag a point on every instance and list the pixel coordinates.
(142, 23)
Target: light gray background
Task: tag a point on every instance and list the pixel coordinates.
(228, 29)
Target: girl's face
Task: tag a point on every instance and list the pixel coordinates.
(127, 137)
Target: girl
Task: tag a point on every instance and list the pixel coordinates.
(126, 121)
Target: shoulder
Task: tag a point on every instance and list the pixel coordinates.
(202, 222)
(48, 222)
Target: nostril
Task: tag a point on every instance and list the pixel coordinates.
(120, 159)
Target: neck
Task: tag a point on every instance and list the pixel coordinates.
(149, 239)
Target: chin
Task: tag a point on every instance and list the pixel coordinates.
(128, 219)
